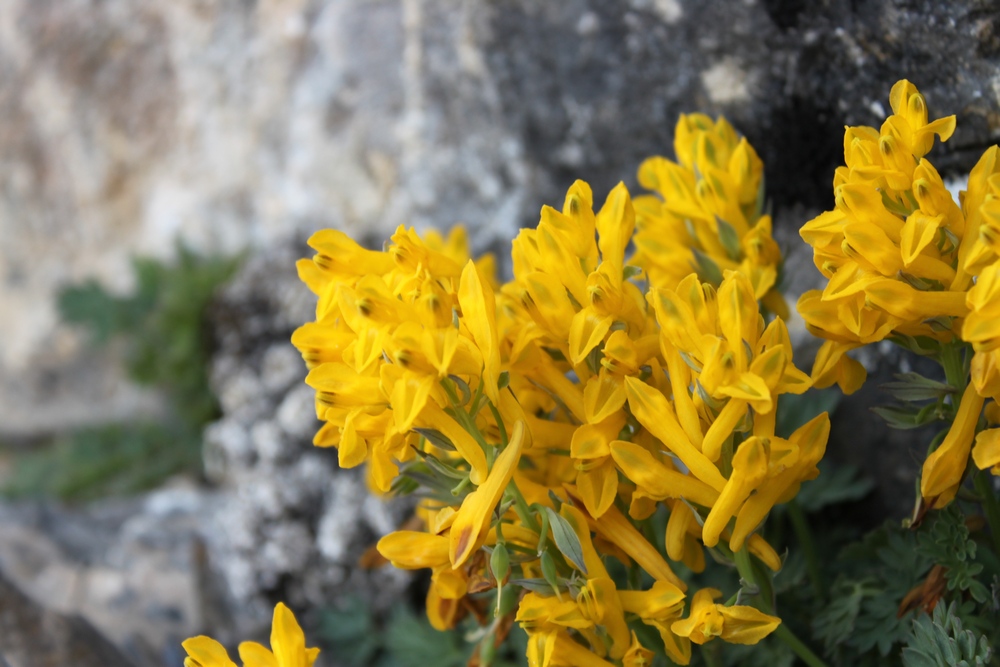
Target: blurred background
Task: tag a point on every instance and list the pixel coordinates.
(161, 165)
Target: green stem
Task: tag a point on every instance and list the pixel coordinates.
(804, 535)
(954, 368)
(760, 578)
(984, 487)
(745, 567)
(804, 652)
(710, 652)
(522, 509)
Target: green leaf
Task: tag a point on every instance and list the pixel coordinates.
(414, 643)
(350, 632)
(835, 485)
(904, 418)
(794, 410)
(436, 438)
(941, 641)
(945, 540)
(915, 387)
(566, 540)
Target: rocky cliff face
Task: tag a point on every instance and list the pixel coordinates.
(234, 123)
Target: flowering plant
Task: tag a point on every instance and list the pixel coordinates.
(582, 436)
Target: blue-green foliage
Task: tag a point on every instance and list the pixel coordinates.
(163, 327)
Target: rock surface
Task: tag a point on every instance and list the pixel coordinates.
(292, 526)
(234, 123)
(131, 572)
(31, 636)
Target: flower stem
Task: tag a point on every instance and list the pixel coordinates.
(954, 368)
(984, 487)
(760, 578)
(804, 652)
(522, 509)
(804, 535)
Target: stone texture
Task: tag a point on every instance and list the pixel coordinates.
(236, 123)
(126, 573)
(31, 636)
(292, 526)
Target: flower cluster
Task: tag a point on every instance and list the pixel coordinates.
(545, 420)
(709, 214)
(908, 263)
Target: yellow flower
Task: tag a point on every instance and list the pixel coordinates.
(472, 519)
(707, 218)
(736, 625)
(891, 246)
(288, 647)
(637, 655)
(944, 468)
(597, 477)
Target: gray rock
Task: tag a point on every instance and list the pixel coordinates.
(31, 636)
(292, 525)
(235, 124)
(133, 572)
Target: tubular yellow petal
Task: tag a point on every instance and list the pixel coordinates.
(591, 441)
(723, 426)
(615, 223)
(339, 384)
(760, 548)
(662, 601)
(900, 299)
(352, 450)
(652, 410)
(749, 469)
(472, 519)
(832, 365)
(677, 535)
(598, 487)
(434, 417)
(586, 332)
(637, 655)
(919, 231)
(414, 550)
(479, 314)
(986, 452)
(676, 647)
(603, 396)
(944, 468)
(441, 612)
(549, 303)
(810, 439)
(288, 642)
(568, 391)
(656, 479)
(568, 653)
(615, 528)
(254, 655)
(753, 389)
(600, 601)
(704, 621)
(687, 413)
(746, 625)
(409, 397)
(874, 247)
(205, 652)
